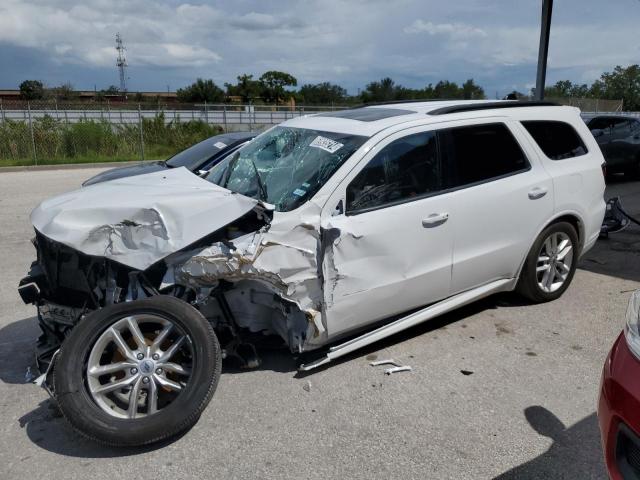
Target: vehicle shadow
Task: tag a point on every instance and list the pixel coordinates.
(46, 427)
(17, 342)
(575, 452)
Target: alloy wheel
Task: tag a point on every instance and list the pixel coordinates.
(138, 366)
(554, 262)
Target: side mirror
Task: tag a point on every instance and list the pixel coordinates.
(597, 132)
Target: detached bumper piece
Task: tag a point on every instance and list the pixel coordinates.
(29, 288)
(628, 453)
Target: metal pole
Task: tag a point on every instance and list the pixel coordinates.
(543, 49)
(224, 117)
(1, 111)
(33, 140)
(206, 113)
(141, 134)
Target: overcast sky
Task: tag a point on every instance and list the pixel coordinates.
(170, 43)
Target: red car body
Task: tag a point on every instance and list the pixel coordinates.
(619, 412)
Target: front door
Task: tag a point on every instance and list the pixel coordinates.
(390, 239)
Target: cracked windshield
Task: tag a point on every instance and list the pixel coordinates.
(285, 166)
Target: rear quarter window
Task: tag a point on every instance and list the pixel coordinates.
(558, 140)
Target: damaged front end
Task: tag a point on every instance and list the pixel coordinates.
(255, 276)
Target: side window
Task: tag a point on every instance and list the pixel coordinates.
(599, 123)
(479, 153)
(558, 140)
(622, 127)
(406, 168)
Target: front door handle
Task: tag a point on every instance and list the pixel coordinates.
(434, 220)
(537, 192)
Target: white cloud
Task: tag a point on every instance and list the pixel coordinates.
(455, 30)
(350, 42)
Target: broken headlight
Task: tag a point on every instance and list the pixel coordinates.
(632, 328)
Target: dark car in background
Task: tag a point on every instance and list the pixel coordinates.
(199, 157)
(619, 140)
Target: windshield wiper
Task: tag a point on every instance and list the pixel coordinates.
(261, 185)
(227, 174)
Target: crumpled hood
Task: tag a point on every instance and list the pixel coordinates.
(139, 220)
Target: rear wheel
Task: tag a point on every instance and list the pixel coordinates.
(138, 372)
(550, 264)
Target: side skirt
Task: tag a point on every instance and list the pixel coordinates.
(409, 321)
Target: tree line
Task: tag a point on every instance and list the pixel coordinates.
(275, 87)
(623, 83)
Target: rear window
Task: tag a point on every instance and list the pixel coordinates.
(558, 140)
(478, 154)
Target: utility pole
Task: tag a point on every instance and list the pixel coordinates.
(121, 62)
(543, 49)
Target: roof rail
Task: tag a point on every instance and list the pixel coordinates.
(470, 107)
(394, 102)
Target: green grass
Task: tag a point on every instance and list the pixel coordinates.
(96, 141)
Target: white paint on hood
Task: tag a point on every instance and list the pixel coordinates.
(139, 220)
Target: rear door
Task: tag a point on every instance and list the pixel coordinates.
(500, 199)
(576, 170)
(620, 152)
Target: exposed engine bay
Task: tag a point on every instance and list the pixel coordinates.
(234, 276)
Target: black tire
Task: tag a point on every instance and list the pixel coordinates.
(89, 419)
(528, 282)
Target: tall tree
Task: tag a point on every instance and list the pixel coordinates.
(200, 91)
(247, 88)
(63, 92)
(623, 83)
(31, 90)
(322, 94)
(471, 90)
(274, 83)
(384, 90)
(447, 90)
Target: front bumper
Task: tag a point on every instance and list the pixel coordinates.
(619, 412)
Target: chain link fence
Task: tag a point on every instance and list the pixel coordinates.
(591, 105)
(51, 132)
(33, 133)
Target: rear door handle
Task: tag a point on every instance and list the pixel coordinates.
(435, 219)
(537, 192)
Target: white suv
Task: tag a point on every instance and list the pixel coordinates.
(340, 228)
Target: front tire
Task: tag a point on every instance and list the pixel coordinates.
(550, 264)
(138, 372)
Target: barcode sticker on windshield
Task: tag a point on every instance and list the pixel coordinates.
(326, 144)
(220, 145)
